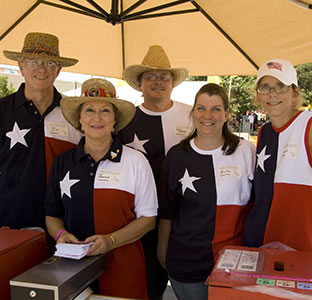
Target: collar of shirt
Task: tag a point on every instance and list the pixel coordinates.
(21, 100)
(114, 153)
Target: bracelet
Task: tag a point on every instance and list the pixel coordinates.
(59, 234)
(113, 241)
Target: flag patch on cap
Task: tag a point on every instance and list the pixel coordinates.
(274, 65)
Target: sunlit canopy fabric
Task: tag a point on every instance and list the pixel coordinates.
(212, 37)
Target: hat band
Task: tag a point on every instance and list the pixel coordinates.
(99, 92)
(38, 48)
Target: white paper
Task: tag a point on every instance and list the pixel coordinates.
(248, 261)
(74, 251)
(229, 259)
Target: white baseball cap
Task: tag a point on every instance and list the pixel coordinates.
(282, 70)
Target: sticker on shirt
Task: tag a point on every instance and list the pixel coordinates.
(182, 130)
(58, 129)
(232, 171)
(290, 151)
(248, 261)
(229, 259)
(107, 176)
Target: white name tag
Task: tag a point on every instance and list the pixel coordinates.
(107, 176)
(58, 129)
(290, 151)
(230, 171)
(182, 130)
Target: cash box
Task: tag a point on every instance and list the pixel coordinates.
(19, 251)
(58, 278)
(259, 273)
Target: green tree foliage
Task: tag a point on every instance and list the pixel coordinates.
(196, 78)
(241, 94)
(305, 82)
(5, 87)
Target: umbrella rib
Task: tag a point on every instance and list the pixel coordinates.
(132, 7)
(225, 34)
(156, 8)
(79, 11)
(99, 8)
(20, 19)
(131, 17)
(82, 9)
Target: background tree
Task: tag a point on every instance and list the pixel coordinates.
(241, 94)
(5, 88)
(305, 82)
(196, 78)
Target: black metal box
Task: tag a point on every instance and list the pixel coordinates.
(58, 278)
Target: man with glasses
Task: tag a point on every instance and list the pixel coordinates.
(32, 132)
(159, 123)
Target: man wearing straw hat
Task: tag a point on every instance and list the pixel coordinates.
(32, 131)
(159, 123)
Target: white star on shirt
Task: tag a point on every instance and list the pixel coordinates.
(187, 182)
(17, 136)
(138, 144)
(262, 157)
(66, 184)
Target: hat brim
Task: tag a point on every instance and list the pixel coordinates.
(70, 109)
(132, 73)
(276, 75)
(62, 61)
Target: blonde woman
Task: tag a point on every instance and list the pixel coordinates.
(282, 212)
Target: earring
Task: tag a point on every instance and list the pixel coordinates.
(113, 130)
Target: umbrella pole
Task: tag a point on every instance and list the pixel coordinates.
(122, 38)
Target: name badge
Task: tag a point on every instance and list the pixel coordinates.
(58, 129)
(290, 151)
(233, 171)
(182, 130)
(107, 176)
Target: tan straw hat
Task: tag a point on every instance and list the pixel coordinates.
(97, 89)
(155, 59)
(39, 45)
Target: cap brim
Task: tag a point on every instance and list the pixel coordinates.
(278, 76)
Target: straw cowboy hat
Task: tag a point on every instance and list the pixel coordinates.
(39, 45)
(155, 59)
(97, 89)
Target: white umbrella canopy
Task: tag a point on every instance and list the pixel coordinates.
(211, 37)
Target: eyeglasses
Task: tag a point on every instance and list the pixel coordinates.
(37, 64)
(154, 77)
(279, 89)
